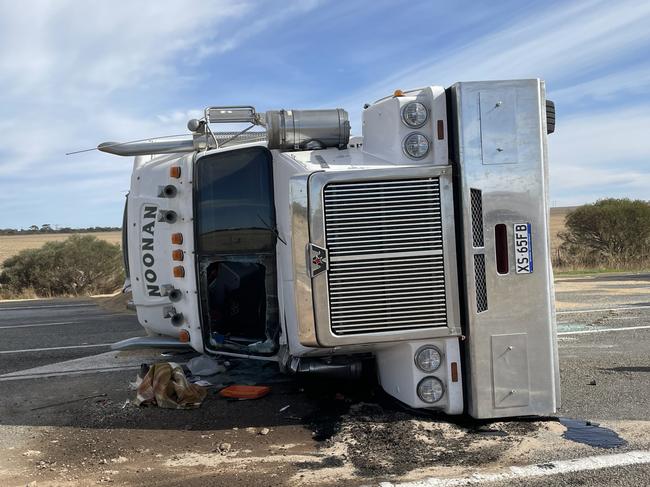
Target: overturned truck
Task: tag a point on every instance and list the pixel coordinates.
(422, 245)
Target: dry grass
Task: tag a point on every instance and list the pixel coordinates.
(556, 225)
(12, 244)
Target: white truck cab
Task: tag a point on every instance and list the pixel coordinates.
(422, 245)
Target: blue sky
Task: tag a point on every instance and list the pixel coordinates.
(73, 74)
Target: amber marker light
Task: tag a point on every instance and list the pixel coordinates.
(184, 336)
(179, 271)
(177, 255)
(398, 93)
(177, 238)
(454, 372)
(175, 172)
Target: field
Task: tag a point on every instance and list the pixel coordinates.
(12, 244)
(557, 224)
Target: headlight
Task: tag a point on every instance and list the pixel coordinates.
(416, 145)
(428, 358)
(414, 114)
(430, 390)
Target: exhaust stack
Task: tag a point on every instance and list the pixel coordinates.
(285, 130)
(146, 148)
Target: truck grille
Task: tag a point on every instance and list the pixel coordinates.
(385, 250)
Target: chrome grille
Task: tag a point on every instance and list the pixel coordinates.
(386, 270)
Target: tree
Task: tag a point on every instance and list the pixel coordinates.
(610, 232)
(80, 265)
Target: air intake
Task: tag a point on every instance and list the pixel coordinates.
(479, 279)
(476, 197)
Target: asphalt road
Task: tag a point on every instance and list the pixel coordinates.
(40, 332)
(332, 433)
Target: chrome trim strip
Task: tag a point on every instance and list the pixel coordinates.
(298, 198)
(387, 255)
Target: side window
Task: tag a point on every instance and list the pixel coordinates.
(234, 201)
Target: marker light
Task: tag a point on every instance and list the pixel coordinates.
(184, 336)
(414, 114)
(175, 172)
(428, 358)
(430, 389)
(454, 371)
(177, 238)
(398, 93)
(179, 271)
(177, 254)
(416, 145)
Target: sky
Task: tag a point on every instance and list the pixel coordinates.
(74, 74)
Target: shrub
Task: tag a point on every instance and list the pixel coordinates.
(611, 233)
(79, 265)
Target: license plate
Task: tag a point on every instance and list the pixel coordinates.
(523, 248)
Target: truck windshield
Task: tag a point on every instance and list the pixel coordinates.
(234, 201)
(236, 237)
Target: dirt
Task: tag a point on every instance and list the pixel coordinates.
(366, 438)
(576, 292)
(328, 436)
(332, 433)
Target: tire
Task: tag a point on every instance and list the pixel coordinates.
(550, 117)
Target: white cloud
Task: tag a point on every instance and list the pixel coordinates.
(629, 83)
(601, 153)
(73, 74)
(577, 47)
(94, 47)
(63, 60)
(556, 44)
(614, 138)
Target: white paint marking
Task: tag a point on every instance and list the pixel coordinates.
(38, 324)
(49, 306)
(27, 350)
(82, 322)
(103, 362)
(69, 373)
(621, 308)
(604, 330)
(547, 469)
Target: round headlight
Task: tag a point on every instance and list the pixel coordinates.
(416, 145)
(414, 114)
(428, 358)
(430, 390)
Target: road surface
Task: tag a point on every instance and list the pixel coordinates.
(65, 419)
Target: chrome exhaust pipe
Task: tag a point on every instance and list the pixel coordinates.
(146, 148)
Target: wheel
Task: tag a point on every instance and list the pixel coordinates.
(550, 117)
